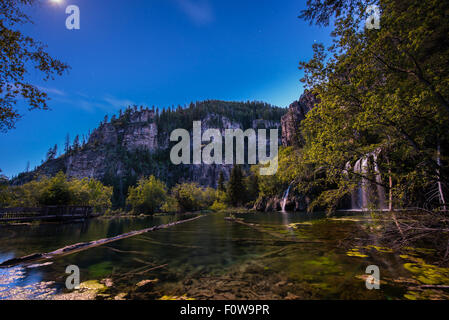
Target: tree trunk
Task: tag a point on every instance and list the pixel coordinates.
(390, 187)
(440, 186)
(390, 192)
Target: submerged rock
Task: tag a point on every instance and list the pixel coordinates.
(88, 290)
(121, 296)
(146, 284)
(107, 282)
(92, 285)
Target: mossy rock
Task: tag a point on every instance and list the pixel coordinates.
(417, 251)
(426, 295)
(93, 285)
(298, 224)
(380, 249)
(175, 298)
(356, 253)
(426, 273)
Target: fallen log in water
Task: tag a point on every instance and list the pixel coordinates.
(86, 245)
(273, 234)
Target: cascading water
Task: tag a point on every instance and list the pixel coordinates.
(380, 189)
(284, 202)
(368, 193)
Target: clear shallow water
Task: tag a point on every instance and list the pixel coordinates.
(285, 256)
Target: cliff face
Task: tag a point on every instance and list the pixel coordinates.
(108, 142)
(136, 130)
(291, 136)
(137, 143)
(296, 114)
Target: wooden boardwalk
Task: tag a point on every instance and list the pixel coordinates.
(49, 213)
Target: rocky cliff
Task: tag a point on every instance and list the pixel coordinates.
(137, 143)
(291, 121)
(291, 136)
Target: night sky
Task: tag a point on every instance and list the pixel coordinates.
(162, 53)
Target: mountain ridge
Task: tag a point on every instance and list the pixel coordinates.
(136, 143)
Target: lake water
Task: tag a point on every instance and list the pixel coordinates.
(268, 256)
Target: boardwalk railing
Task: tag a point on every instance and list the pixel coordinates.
(56, 213)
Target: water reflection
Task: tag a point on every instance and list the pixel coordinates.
(209, 258)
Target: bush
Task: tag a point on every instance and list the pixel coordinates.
(189, 196)
(91, 192)
(218, 206)
(5, 196)
(148, 196)
(58, 191)
(208, 197)
(170, 205)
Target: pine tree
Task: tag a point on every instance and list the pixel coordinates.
(51, 153)
(76, 143)
(67, 143)
(220, 183)
(252, 186)
(236, 188)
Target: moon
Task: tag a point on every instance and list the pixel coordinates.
(56, 1)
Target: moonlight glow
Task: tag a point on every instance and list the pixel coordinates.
(56, 1)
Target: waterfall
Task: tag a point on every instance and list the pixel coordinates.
(284, 202)
(356, 196)
(368, 193)
(381, 198)
(365, 183)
